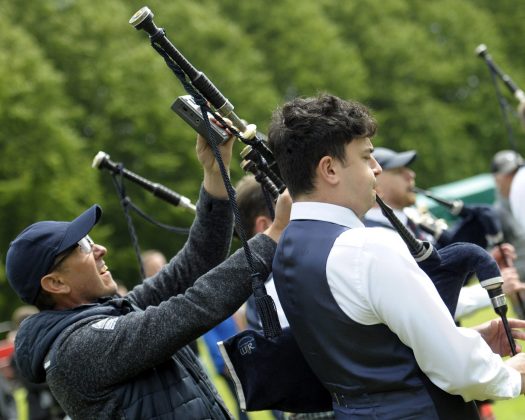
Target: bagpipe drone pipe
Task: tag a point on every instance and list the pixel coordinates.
(497, 73)
(102, 161)
(210, 101)
(268, 367)
(478, 224)
(118, 172)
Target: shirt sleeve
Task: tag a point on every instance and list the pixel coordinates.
(517, 197)
(471, 299)
(378, 281)
(272, 291)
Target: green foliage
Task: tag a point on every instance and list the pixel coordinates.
(427, 92)
(76, 78)
(302, 47)
(42, 174)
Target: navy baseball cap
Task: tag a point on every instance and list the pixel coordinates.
(388, 159)
(31, 255)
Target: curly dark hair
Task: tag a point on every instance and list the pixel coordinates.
(304, 130)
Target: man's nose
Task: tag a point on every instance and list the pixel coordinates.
(99, 250)
(376, 167)
(409, 173)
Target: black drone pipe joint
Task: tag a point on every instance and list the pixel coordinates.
(143, 19)
(102, 161)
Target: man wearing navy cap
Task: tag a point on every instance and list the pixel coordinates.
(104, 356)
(395, 185)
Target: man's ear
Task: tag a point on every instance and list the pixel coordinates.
(327, 170)
(261, 223)
(52, 283)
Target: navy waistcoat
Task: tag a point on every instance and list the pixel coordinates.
(351, 360)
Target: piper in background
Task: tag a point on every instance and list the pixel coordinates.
(395, 185)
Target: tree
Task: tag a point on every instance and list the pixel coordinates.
(123, 91)
(303, 49)
(41, 175)
(427, 92)
(81, 79)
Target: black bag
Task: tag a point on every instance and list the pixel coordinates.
(272, 374)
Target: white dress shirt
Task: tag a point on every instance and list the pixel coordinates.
(270, 289)
(375, 280)
(377, 215)
(517, 196)
(471, 298)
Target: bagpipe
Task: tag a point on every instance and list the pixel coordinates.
(268, 367)
(119, 172)
(211, 102)
(198, 85)
(102, 161)
(451, 266)
(497, 73)
(482, 52)
(478, 224)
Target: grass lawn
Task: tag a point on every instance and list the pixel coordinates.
(504, 410)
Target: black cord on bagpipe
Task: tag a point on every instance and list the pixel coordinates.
(124, 202)
(169, 228)
(265, 305)
(495, 71)
(258, 165)
(118, 172)
(504, 107)
(269, 202)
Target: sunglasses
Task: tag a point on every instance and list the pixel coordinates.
(85, 245)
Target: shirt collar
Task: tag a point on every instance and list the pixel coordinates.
(310, 210)
(376, 215)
